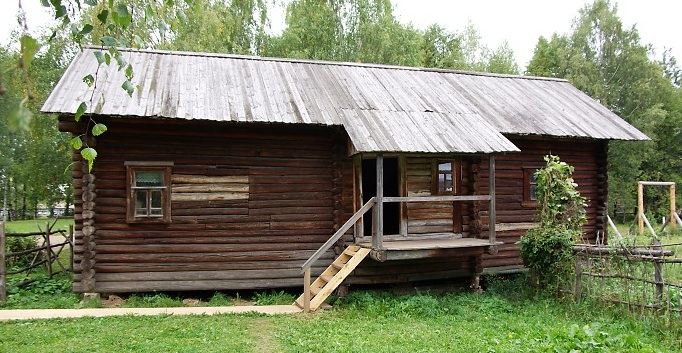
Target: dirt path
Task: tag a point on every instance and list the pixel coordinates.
(264, 339)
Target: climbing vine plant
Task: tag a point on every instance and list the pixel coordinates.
(547, 250)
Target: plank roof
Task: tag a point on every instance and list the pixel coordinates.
(382, 108)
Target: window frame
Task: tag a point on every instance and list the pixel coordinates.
(131, 168)
(455, 173)
(528, 182)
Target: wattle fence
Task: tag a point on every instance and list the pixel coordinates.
(49, 245)
(647, 280)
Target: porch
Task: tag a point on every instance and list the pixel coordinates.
(428, 245)
(381, 247)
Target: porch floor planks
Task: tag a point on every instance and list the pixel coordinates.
(426, 244)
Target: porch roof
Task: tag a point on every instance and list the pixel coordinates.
(383, 108)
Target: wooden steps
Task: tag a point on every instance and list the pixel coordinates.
(333, 276)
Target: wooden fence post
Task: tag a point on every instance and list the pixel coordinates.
(658, 271)
(48, 251)
(71, 247)
(3, 268)
(673, 208)
(577, 291)
(640, 208)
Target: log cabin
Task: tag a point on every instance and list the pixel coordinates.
(226, 172)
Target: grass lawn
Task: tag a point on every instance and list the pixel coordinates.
(506, 318)
(500, 320)
(36, 225)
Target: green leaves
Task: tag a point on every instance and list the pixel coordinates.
(80, 111)
(87, 28)
(89, 80)
(98, 129)
(100, 57)
(109, 41)
(20, 119)
(128, 87)
(76, 143)
(102, 16)
(89, 154)
(129, 72)
(29, 48)
(121, 16)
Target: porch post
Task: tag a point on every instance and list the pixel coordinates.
(672, 206)
(491, 226)
(378, 219)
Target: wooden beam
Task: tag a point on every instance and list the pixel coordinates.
(306, 290)
(378, 219)
(402, 181)
(359, 227)
(672, 207)
(657, 183)
(437, 198)
(640, 207)
(491, 222)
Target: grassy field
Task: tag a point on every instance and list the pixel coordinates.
(363, 322)
(506, 318)
(35, 225)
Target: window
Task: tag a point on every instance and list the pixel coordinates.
(445, 178)
(148, 185)
(530, 186)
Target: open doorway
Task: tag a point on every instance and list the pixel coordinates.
(391, 189)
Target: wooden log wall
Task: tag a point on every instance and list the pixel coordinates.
(253, 203)
(588, 157)
(425, 217)
(434, 217)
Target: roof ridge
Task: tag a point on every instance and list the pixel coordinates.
(329, 62)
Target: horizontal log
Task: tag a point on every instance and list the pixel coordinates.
(199, 275)
(193, 242)
(208, 266)
(604, 250)
(154, 286)
(206, 196)
(206, 235)
(207, 257)
(210, 188)
(438, 198)
(203, 179)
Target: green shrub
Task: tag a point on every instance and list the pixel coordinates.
(547, 250)
(548, 253)
(17, 244)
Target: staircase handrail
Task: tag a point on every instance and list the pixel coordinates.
(339, 233)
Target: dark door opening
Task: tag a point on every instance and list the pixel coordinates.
(391, 189)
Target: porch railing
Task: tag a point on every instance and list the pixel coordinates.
(339, 233)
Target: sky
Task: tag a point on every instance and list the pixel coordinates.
(520, 22)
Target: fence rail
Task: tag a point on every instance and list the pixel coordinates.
(47, 249)
(647, 280)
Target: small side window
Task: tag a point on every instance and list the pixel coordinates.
(530, 186)
(149, 192)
